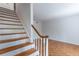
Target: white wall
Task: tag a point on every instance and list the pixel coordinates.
(37, 25)
(7, 5)
(23, 11)
(64, 29)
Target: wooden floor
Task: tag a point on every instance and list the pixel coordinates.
(57, 48)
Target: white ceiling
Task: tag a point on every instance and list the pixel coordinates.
(47, 11)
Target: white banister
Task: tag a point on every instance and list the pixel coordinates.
(41, 43)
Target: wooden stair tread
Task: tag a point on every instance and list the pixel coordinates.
(9, 17)
(8, 49)
(6, 9)
(12, 40)
(8, 14)
(13, 33)
(26, 53)
(10, 24)
(11, 28)
(2, 9)
(10, 20)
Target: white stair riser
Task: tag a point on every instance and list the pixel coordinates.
(10, 26)
(5, 37)
(7, 10)
(17, 51)
(4, 10)
(11, 31)
(8, 16)
(7, 22)
(7, 13)
(8, 44)
(9, 19)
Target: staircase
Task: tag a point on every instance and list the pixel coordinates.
(14, 41)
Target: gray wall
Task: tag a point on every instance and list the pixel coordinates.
(63, 29)
(23, 11)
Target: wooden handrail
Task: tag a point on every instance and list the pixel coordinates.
(42, 36)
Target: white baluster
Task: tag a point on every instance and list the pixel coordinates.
(46, 46)
(41, 46)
